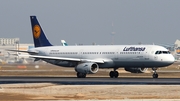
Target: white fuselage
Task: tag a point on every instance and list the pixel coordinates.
(112, 55)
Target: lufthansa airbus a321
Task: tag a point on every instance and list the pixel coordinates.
(89, 59)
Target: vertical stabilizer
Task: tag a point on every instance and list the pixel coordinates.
(63, 42)
(39, 37)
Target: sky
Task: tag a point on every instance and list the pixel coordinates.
(93, 21)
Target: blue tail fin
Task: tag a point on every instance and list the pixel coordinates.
(39, 37)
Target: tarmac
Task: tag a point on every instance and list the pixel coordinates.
(47, 90)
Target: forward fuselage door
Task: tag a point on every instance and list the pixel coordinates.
(80, 54)
(116, 55)
(146, 53)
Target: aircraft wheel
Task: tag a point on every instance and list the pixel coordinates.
(116, 74)
(81, 75)
(78, 74)
(111, 74)
(84, 75)
(155, 75)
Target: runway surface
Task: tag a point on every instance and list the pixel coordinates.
(90, 80)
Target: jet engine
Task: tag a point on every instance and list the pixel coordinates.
(136, 70)
(87, 68)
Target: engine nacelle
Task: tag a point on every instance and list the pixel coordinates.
(87, 68)
(136, 70)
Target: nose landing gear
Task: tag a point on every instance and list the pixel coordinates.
(155, 75)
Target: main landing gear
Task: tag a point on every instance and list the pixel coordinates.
(155, 75)
(114, 74)
(81, 75)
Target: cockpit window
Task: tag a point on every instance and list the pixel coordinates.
(162, 52)
(165, 52)
(157, 52)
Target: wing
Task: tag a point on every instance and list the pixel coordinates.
(66, 59)
(33, 55)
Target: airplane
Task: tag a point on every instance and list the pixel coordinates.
(63, 42)
(88, 59)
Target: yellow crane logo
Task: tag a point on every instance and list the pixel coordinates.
(36, 31)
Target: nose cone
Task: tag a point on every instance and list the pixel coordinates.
(170, 59)
(166, 60)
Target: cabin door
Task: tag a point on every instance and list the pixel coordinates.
(81, 54)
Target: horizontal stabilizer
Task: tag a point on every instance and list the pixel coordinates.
(23, 51)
